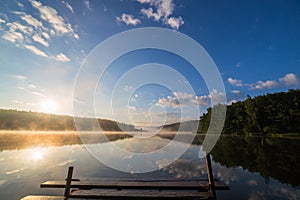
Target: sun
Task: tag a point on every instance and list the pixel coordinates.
(49, 106)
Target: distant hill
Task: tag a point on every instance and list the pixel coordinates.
(33, 121)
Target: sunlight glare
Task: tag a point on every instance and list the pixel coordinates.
(37, 155)
(49, 106)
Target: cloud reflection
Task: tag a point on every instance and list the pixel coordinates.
(14, 171)
(66, 162)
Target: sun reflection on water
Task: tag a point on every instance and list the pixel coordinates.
(37, 154)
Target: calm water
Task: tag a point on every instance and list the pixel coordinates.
(254, 168)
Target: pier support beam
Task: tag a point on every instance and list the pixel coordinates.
(210, 175)
(68, 181)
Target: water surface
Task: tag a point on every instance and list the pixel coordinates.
(254, 168)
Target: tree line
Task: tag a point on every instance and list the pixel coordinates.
(271, 113)
(33, 121)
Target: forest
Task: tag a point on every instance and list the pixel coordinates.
(33, 121)
(275, 113)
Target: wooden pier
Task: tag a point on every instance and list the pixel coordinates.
(135, 189)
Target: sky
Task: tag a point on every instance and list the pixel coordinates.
(46, 48)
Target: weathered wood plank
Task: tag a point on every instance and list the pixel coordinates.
(33, 197)
(137, 194)
(168, 185)
(92, 179)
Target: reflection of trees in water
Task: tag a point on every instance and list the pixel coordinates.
(198, 139)
(11, 141)
(276, 158)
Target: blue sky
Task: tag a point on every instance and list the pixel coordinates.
(255, 45)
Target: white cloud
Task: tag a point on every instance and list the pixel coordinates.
(78, 101)
(217, 97)
(51, 16)
(289, 79)
(38, 94)
(35, 50)
(235, 82)
(131, 108)
(13, 36)
(31, 86)
(20, 77)
(182, 99)
(263, 85)
(31, 29)
(18, 13)
(128, 88)
(175, 23)
(17, 26)
(76, 36)
(87, 4)
(18, 101)
(20, 5)
(162, 10)
(235, 91)
(52, 32)
(39, 39)
(68, 6)
(2, 21)
(169, 101)
(46, 35)
(149, 13)
(62, 57)
(128, 19)
(144, 1)
(31, 21)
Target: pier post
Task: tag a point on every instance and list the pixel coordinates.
(210, 175)
(68, 181)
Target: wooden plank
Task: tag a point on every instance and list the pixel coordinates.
(149, 179)
(31, 197)
(170, 185)
(137, 194)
